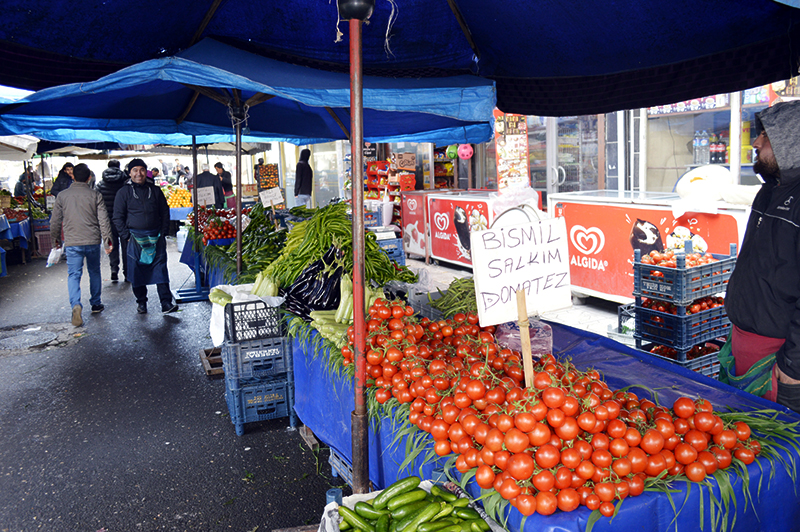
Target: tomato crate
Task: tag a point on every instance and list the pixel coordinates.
(341, 467)
(260, 400)
(251, 320)
(40, 224)
(682, 285)
(707, 365)
(681, 331)
(394, 248)
(257, 358)
(422, 306)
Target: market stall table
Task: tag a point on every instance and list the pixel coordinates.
(324, 402)
(179, 213)
(212, 276)
(17, 232)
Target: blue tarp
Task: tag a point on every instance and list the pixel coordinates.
(153, 102)
(324, 403)
(549, 57)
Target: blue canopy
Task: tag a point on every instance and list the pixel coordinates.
(548, 57)
(170, 99)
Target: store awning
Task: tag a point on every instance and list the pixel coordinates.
(168, 100)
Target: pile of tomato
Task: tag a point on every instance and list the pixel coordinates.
(695, 352)
(667, 259)
(217, 230)
(208, 214)
(565, 442)
(696, 306)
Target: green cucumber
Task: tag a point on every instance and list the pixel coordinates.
(461, 502)
(467, 513)
(354, 519)
(368, 512)
(398, 488)
(383, 523)
(431, 526)
(404, 511)
(406, 498)
(424, 516)
(443, 493)
(446, 510)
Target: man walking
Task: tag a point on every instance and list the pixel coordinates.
(141, 215)
(82, 214)
(763, 295)
(113, 180)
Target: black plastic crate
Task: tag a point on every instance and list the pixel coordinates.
(258, 400)
(681, 332)
(421, 305)
(707, 365)
(626, 318)
(682, 285)
(251, 320)
(257, 358)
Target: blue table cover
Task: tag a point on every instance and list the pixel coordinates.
(3, 271)
(214, 276)
(324, 404)
(179, 213)
(21, 230)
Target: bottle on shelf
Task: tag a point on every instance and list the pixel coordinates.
(696, 148)
(722, 151)
(704, 150)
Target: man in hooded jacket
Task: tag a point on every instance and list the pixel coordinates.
(141, 215)
(303, 180)
(113, 180)
(763, 295)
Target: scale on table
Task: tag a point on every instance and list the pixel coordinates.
(383, 233)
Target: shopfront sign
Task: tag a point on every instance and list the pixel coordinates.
(532, 257)
(511, 148)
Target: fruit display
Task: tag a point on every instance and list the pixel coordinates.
(15, 215)
(697, 306)
(568, 441)
(218, 230)
(694, 353)
(177, 197)
(667, 259)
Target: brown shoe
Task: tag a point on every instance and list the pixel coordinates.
(77, 320)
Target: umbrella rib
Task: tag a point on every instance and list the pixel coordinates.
(209, 15)
(338, 121)
(211, 93)
(185, 113)
(11, 146)
(464, 28)
(258, 98)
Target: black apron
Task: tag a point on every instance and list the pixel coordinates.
(147, 258)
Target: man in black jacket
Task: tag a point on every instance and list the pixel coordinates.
(141, 215)
(113, 180)
(303, 180)
(763, 295)
(207, 179)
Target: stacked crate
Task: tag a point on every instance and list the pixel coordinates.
(681, 286)
(394, 248)
(259, 379)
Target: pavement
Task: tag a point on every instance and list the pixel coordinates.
(114, 426)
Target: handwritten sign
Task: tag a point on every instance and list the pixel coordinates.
(407, 161)
(271, 196)
(205, 196)
(50, 202)
(532, 257)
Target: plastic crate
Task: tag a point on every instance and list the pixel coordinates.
(394, 248)
(682, 285)
(258, 400)
(43, 243)
(341, 467)
(681, 332)
(42, 224)
(251, 320)
(257, 358)
(707, 365)
(626, 318)
(372, 219)
(421, 305)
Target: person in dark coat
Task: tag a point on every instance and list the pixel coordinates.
(141, 215)
(113, 180)
(207, 179)
(63, 180)
(763, 296)
(227, 185)
(303, 180)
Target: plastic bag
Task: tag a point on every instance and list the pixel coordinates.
(54, 257)
(541, 335)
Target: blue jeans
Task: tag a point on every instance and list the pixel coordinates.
(75, 256)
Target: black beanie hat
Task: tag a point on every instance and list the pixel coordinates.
(134, 163)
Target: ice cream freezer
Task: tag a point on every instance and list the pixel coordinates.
(437, 224)
(605, 227)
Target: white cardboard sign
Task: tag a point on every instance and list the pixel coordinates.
(271, 196)
(205, 196)
(533, 257)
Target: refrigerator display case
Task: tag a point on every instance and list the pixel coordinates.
(414, 216)
(451, 218)
(605, 227)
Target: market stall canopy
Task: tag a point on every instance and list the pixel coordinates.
(17, 147)
(549, 58)
(168, 100)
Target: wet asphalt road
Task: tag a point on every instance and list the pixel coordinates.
(121, 430)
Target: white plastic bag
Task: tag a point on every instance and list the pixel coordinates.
(54, 257)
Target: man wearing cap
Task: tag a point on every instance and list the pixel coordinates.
(82, 214)
(141, 216)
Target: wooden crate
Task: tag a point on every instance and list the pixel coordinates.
(212, 361)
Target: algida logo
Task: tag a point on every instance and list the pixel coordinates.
(589, 242)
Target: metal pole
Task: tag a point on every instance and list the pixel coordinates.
(198, 278)
(359, 425)
(735, 137)
(238, 117)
